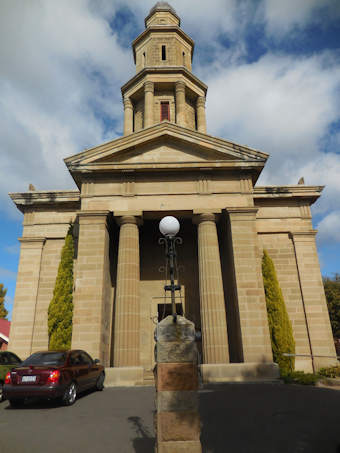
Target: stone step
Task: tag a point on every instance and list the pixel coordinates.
(148, 378)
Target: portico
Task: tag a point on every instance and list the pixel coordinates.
(167, 164)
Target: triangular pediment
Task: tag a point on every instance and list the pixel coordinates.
(162, 144)
(165, 150)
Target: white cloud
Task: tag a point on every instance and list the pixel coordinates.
(329, 228)
(284, 106)
(60, 75)
(283, 16)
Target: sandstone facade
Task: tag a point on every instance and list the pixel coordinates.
(167, 164)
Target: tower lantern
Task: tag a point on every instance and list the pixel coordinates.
(164, 88)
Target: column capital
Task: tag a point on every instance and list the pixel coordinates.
(244, 213)
(92, 216)
(180, 86)
(128, 219)
(303, 236)
(127, 103)
(204, 217)
(149, 86)
(200, 102)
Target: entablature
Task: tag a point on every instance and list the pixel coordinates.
(68, 199)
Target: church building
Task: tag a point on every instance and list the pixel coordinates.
(166, 163)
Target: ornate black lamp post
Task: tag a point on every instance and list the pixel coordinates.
(169, 227)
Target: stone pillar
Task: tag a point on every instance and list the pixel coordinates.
(92, 297)
(213, 314)
(128, 116)
(50, 261)
(26, 294)
(180, 103)
(248, 282)
(201, 119)
(313, 298)
(148, 104)
(126, 342)
(177, 417)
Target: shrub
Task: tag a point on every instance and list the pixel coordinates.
(3, 311)
(330, 372)
(299, 377)
(332, 292)
(280, 327)
(60, 310)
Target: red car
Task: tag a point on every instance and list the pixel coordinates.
(53, 374)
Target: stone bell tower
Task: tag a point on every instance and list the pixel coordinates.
(164, 88)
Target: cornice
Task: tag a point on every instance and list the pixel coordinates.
(164, 70)
(24, 200)
(162, 130)
(310, 193)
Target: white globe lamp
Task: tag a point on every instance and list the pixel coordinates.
(169, 226)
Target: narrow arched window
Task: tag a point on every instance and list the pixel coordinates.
(163, 53)
(183, 58)
(165, 111)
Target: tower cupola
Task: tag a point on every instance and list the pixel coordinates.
(164, 88)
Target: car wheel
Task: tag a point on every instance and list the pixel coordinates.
(1, 392)
(70, 395)
(16, 403)
(100, 382)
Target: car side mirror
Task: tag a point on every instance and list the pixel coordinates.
(96, 361)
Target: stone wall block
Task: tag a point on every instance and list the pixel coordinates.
(177, 376)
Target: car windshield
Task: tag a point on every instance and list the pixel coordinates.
(45, 358)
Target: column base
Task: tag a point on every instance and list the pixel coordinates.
(124, 376)
(240, 372)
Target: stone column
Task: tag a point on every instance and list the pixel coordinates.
(313, 298)
(148, 104)
(92, 297)
(128, 116)
(180, 103)
(201, 119)
(26, 294)
(126, 343)
(248, 282)
(213, 314)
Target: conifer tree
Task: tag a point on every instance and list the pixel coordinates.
(281, 332)
(60, 310)
(3, 311)
(332, 292)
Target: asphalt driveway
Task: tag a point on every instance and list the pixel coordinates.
(236, 418)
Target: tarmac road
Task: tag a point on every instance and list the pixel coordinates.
(236, 418)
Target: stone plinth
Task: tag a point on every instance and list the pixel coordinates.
(178, 424)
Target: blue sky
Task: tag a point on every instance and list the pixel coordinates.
(272, 67)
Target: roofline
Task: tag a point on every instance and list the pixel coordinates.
(311, 193)
(145, 133)
(25, 199)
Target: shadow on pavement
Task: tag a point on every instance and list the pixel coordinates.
(144, 442)
(269, 418)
